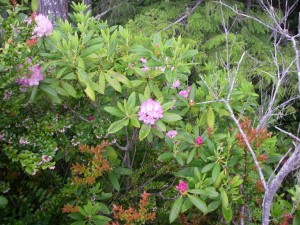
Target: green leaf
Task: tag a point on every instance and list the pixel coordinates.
(78, 223)
(209, 192)
(170, 117)
(113, 82)
(144, 131)
(191, 156)
(192, 92)
(168, 105)
(186, 205)
(296, 220)
(112, 44)
(114, 181)
(135, 122)
(69, 88)
(189, 54)
(51, 93)
(34, 5)
(227, 213)
(88, 51)
(3, 201)
(216, 171)
(214, 205)
(115, 111)
(116, 126)
(123, 171)
(160, 125)
(147, 92)
(33, 93)
(165, 157)
(76, 216)
(101, 83)
(208, 167)
(199, 203)
(131, 100)
(176, 208)
(224, 198)
(210, 118)
(90, 92)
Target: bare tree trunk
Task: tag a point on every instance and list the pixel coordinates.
(54, 8)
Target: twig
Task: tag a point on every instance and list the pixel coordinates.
(99, 16)
(187, 14)
(289, 134)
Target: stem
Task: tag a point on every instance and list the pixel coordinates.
(44, 44)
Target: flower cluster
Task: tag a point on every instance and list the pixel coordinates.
(33, 78)
(182, 187)
(43, 27)
(199, 141)
(150, 111)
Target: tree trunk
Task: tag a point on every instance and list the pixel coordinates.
(54, 8)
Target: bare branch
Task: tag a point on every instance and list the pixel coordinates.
(288, 133)
(187, 14)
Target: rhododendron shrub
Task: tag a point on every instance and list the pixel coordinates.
(108, 114)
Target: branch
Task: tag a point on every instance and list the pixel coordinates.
(247, 143)
(97, 17)
(289, 134)
(187, 14)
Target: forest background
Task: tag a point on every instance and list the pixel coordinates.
(149, 112)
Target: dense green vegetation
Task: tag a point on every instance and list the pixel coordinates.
(202, 114)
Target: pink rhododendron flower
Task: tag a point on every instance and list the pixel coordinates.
(176, 84)
(33, 78)
(182, 187)
(145, 68)
(43, 27)
(184, 93)
(143, 60)
(171, 133)
(150, 111)
(91, 117)
(162, 68)
(199, 141)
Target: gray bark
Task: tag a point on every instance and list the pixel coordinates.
(290, 165)
(53, 8)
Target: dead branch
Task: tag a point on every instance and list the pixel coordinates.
(187, 14)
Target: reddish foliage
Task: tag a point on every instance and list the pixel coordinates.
(69, 209)
(131, 216)
(259, 187)
(31, 42)
(254, 136)
(95, 167)
(287, 219)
